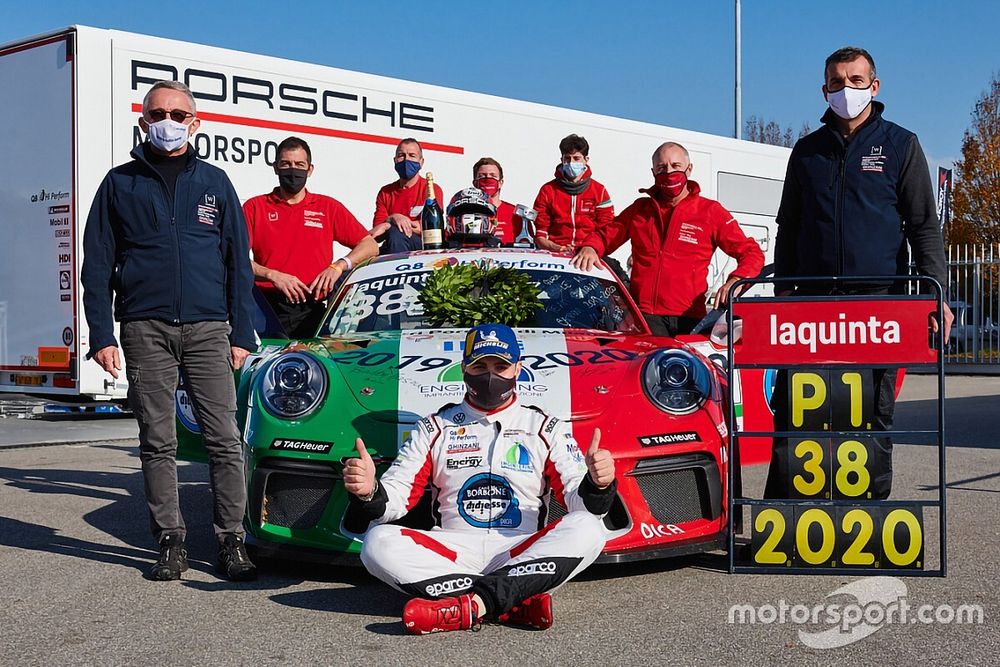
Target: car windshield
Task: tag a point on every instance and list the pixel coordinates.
(571, 300)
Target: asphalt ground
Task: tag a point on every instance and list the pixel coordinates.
(74, 544)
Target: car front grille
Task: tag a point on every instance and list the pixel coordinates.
(680, 489)
(291, 494)
(295, 501)
(672, 496)
(616, 518)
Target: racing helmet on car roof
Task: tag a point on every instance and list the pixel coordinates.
(471, 213)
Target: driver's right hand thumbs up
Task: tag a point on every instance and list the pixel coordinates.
(359, 473)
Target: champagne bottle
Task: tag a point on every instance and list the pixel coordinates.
(432, 219)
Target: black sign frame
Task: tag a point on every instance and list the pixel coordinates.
(919, 287)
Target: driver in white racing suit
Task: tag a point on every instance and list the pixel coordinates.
(491, 464)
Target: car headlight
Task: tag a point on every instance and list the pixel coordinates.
(293, 386)
(675, 381)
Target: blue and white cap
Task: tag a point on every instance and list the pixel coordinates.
(491, 340)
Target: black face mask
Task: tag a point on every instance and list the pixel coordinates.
(489, 390)
(292, 180)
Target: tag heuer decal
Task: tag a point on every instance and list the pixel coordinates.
(311, 446)
(668, 439)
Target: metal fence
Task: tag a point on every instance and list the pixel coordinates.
(973, 293)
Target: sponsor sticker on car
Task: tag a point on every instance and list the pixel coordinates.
(668, 438)
(311, 446)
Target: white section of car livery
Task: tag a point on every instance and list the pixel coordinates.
(95, 80)
(421, 393)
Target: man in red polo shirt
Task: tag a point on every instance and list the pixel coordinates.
(292, 232)
(398, 205)
(674, 233)
(487, 175)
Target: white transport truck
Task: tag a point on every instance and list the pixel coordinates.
(72, 99)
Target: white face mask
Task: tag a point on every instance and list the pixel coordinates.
(168, 135)
(848, 103)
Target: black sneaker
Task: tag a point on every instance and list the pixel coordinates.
(234, 563)
(172, 561)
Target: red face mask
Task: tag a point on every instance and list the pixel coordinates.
(672, 182)
(488, 184)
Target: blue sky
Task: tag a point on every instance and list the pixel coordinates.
(667, 62)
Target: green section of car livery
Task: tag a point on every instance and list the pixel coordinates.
(376, 386)
(362, 400)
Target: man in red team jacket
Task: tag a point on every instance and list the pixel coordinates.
(398, 205)
(487, 175)
(674, 233)
(292, 232)
(572, 205)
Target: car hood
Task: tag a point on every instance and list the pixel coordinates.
(400, 376)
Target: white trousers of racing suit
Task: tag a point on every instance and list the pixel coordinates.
(442, 563)
(490, 475)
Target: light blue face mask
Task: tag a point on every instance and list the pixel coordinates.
(572, 170)
(168, 135)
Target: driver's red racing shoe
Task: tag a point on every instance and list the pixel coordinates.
(534, 612)
(422, 617)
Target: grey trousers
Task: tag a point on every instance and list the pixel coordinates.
(154, 353)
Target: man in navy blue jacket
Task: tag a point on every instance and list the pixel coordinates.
(166, 243)
(857, 192)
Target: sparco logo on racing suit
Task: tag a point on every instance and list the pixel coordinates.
(548, 567)
(487, 501)
(448, 587)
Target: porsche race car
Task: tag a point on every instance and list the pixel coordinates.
(376, 366)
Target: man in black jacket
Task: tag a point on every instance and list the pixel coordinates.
(856, 193)
(167, 244)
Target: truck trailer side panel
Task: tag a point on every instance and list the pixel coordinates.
(78, 95)
(38, 206)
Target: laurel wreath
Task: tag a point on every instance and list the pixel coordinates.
(470, 294)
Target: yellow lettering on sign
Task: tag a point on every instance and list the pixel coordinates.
(828, 541)
(800, 402)
(812, 452)
(767, 555)
(852, 457)
(855, 553)
(853, 381)
(889, 546)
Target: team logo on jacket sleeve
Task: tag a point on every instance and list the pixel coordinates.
(487, 501)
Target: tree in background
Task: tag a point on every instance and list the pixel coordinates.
(976, 199)
(755, 129)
